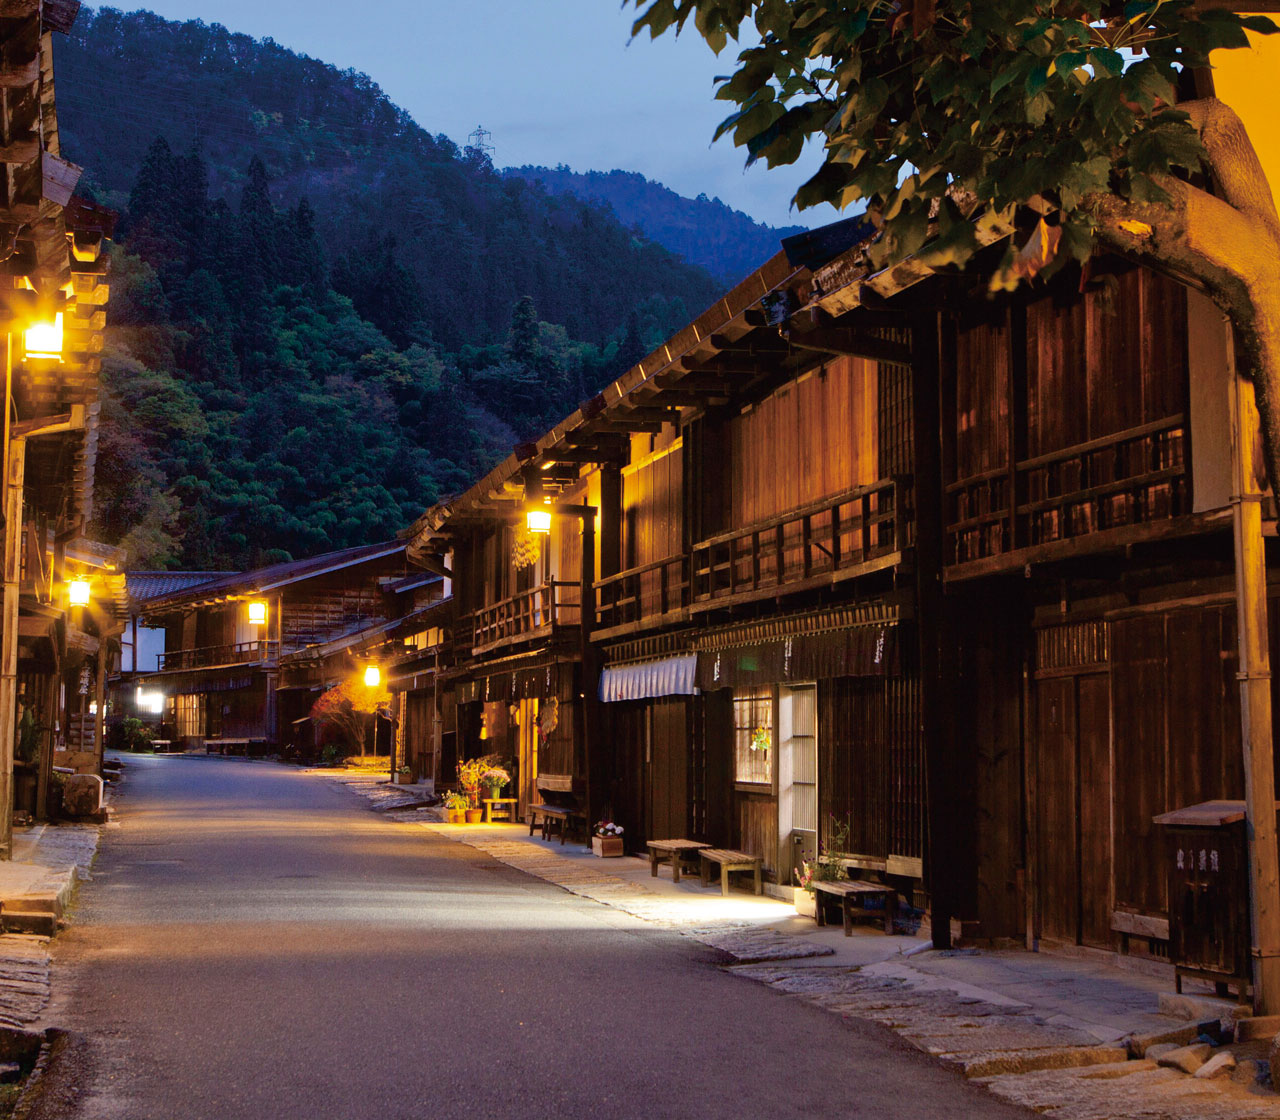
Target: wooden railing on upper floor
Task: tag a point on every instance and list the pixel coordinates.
(645, 592)
(1129, 478)
(529, 613)
(843, 534)
(202, 657)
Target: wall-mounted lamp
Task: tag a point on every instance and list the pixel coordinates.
(44, 339)
(78, 592)
(257, 612)
(372, 676)
(538, 521)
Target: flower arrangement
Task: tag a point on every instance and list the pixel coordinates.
(469, 777)
(456, 801)
(403, 769)
(827, 867)
(606, 828)
(761, 740)
(494, 778)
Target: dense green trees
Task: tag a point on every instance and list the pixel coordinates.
(322, 318)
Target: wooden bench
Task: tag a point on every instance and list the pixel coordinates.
(557, 801)
(506, 806)
(728, 860)
(674, 852)
(846, 890)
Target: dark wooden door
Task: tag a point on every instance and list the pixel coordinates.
(1057, 842)
(1073, 799)
(668, 770)
(1093, 742)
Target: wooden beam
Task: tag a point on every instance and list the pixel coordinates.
(748, 344)
(851, 343)
(685, 396)
(582, 455)
(656, 415)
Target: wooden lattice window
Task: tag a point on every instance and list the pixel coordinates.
(753, 736)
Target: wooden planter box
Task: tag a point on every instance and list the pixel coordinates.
(606, 845)
(403, 779)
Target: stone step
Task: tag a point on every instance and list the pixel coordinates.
(44, 923)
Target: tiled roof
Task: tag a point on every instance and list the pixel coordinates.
(148, 585)
(223, 584)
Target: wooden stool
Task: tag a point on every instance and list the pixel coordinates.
(499, 808)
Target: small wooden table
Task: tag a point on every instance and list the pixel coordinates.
(728, 860)
(506, 806)
(673, 852)
(846, 890)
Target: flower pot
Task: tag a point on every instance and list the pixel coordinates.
(457, 816)
(474, 816)
(606, 845)
(806, 904)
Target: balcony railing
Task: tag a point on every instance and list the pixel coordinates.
(838, 536)
(648, 591)
(532, 612)
(239, 653)
(1130, 478)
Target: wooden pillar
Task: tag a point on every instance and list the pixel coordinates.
(931, 620)
(14, 471)
(594, 759)
(610, 519)
(100, 697)
(1255, 701)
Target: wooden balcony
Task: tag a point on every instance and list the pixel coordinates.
(1040, 507)
(851, 534)
(530, 614)
(203, 657)
(652, 593)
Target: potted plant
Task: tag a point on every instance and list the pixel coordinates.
(494, 780)
(404, 776)
(469, 771)
(827, 868)
(606, 839)
(455, 803)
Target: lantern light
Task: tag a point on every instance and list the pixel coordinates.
(257, 612)
(538, 521)
(44, 339)
(372, 676)
(78, 592)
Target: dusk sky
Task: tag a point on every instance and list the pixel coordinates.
(555, 81)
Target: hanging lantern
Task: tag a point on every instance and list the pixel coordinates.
(538, 521)
(372, 676)
(258, 612)
(44, 339)
(78, 592)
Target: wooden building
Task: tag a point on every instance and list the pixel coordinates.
(852, 537)
(53, 308)
(219, 678)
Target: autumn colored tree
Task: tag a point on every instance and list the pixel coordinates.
(347, 708)
(946, 118)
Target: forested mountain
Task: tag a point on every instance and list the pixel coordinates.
(726, 242)
(323, 318)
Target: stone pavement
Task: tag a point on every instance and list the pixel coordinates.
(36, 888)
(1057, 1034)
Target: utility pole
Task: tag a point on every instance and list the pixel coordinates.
(1255, 698)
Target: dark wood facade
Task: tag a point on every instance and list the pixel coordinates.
(982, 539)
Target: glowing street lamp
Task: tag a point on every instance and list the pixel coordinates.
(257, 612)
(44, 339)
(78, 592)
(538, 521)
(372, 676)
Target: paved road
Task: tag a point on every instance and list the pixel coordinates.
(257, 943)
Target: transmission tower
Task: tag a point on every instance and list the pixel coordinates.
(479, 141)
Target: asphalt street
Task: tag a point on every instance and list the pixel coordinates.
(258, 943)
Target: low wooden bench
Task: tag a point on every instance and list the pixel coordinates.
(557, 802)
(674, 852)
(846, 890)
(728, 860)
(506, 806)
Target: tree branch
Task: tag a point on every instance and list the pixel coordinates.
(1236, 169)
